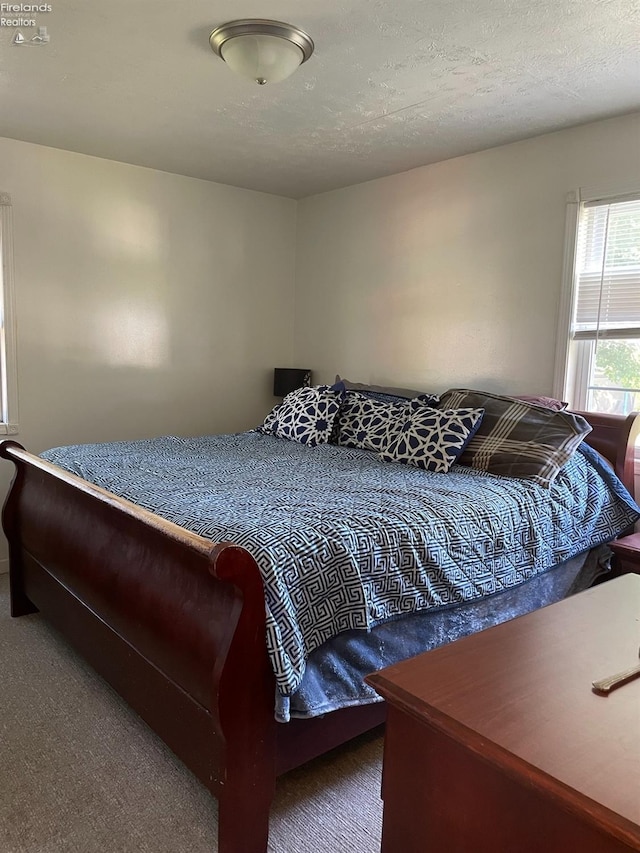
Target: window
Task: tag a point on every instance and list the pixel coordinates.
(602, 356)
(8, 373)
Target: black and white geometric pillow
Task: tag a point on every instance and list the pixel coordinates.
(432, 438)
(306, 415)
(365, 422)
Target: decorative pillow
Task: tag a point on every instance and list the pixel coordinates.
(517, 438)
(385, 392)
(306, 415)
(364, 422)
(432, 438)
(547, 402)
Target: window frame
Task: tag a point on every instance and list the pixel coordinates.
(571, 379)
(8, 348)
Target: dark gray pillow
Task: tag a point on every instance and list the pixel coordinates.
(517, 438)
(389, 391)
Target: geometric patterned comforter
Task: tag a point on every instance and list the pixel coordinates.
(344, 540)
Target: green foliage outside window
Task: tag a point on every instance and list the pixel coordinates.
(619, 363)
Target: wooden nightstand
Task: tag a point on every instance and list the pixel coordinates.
(627, 554)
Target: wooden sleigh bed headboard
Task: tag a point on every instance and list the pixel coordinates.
(615, 438)
(176, 624)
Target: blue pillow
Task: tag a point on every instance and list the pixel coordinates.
(306, 415)
(431, 438)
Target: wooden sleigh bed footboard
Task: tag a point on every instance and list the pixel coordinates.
(176, 625)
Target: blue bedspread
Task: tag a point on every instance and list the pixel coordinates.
(346, 541)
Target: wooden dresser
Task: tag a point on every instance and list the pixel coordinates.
(497, 744)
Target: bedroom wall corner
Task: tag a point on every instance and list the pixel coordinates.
(450, 274)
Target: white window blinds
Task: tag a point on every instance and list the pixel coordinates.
(608, 271)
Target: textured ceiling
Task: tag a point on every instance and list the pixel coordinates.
(393, 84)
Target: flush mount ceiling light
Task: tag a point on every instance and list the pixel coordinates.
(264, 51)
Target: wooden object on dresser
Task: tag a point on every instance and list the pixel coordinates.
(627, 554)
(496, 743)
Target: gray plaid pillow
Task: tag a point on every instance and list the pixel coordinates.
(516, 438)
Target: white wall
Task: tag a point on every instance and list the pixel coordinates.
(450, 275)
(150, 303)
(147, 303)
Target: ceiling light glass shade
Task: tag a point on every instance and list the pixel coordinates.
(265, 59)
(260, 50)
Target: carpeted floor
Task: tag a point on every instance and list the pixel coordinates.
(81, 773)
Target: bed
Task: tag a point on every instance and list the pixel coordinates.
(175, 620)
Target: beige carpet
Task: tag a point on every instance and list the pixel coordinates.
(81, 773)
